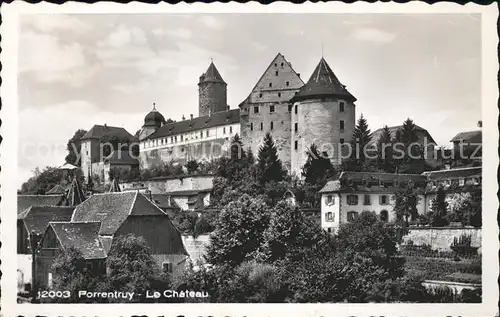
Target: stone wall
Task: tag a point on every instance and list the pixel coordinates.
(441, 238)
(196, 246)
(171, 184)
(212, 98)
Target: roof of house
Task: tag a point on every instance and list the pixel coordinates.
(162, 200)
(121, 158)
(83, 236)
(26, 201)
(211, 75)
(360, 177)
(215, 119)
(57, 189)
(99, 131)
(377, 133)
(37, 218)
(454, 173)
(323, 83)
(189, 192)
(468, 137)
(330, 186)
(112, 209)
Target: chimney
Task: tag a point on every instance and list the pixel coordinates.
(480, 124)
(191, 115)
(183, 118)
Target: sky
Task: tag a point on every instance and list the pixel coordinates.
(79, 70)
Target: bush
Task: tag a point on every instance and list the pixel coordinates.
(462, 245)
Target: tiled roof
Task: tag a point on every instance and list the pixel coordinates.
(468, 137)
(323, 83)
(99, 131)
(205, 122)
(83, 236)
(57, 189)
(330, 186)
(454, 173)
(121, 158)
(36, 218)
(211, 75)
(377, 133)
(384, 177)
(26, 201)
(188, 192)
(162, 200)
(113, 208)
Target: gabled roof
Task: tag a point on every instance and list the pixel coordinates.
(216, 119)
(377, 133)
(468, 137)
(454, 173)
(112, 209)
(37, 218)
(121, 158)
(56, 190)
(211, 75)
(26, 201)
(83, 236)
(99, 131)
(330, 186)
(323, 83)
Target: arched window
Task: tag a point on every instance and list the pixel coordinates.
(352, 216)
(384, 216)
(330, 216)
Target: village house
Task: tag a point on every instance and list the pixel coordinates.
(468, 145)
(102, 218)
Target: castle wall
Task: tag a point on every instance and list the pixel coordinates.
(318, 122)
(212, 98)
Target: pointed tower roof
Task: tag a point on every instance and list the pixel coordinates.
(75, 195)
(114, 188)
(211, 75)
(323, 83)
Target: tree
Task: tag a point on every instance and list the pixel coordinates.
(385, 151)
(439, 209)
(42, 181)
(73, 147)
(192, 166)
(250, 157)
(269, 165)
(406, 199)
(412, 160)
(133, 268)
(238, 233)
(360, 139)
(317, 169)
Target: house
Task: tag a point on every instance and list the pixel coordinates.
(26, 201)
(468, 145)
(342, 200)
(115, 215)
(190, 200)
(120, 160)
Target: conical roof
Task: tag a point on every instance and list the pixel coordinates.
(211, 75)
(154, 118)
(323, 83)
(75, 194)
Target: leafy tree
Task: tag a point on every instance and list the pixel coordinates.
(385, 151)
(133, 268)
(317, 169)
(42, 181)
(73, 147)
(439, 209)
(406, 199)
(192, 166)
(238, 233)
(269, 165)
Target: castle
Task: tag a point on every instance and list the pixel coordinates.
(296, 114)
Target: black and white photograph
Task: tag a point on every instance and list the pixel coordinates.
(250, 157)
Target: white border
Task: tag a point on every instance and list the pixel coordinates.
(8, 90)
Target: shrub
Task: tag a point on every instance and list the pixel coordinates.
(462, 245)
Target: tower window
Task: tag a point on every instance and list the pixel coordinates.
(296, 144)
(271, 108)
(295, 109)
(270, 84)
(290, 108)
(276, 73)
(256, 109)
(272, 125)
(341, 106)
(251, 126)
(287, 83)
(296, 127)
(261, 126)
(279, 94)
(341, 125)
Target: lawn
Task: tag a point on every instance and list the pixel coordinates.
(445, 269)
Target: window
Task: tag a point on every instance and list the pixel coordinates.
(279, 94)
(256, 109)
(329, 217)
(272, 125)
(89, 266)
(261, 126)
(341, 106)
(271, 109)
(287, 83)
(270, 84)
(290, 108)
(329, 230)
(167, 266)
(260, 95)
(384, 216)
(352, 199)
(201, 134)
(171, 139)
(224, 130)
(296, 144)
(251, 126)
(295, 109)
(366, 200)
(175, 138)
(330, 200)
(342, 141)
(276, 73)
(341, 125)
(352, 216)
(275, 64)
(182, 138)
(461, 182)
(383, 200)
(296, 127)
(206, 134)
(282, 64)
(230, 129)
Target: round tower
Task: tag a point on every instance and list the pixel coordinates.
(212, 90)
(323, 114)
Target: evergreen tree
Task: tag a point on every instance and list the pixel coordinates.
(439, 209)
(250, 157)
(413, 161)
(408, 132)
(360, 138)
(317, 169)
(385, 151)
(269, 165)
